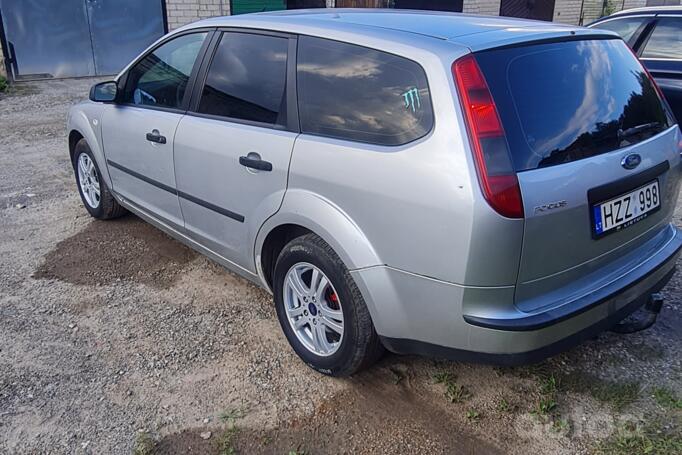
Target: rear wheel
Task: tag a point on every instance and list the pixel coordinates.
(95, 194)
(321, 310)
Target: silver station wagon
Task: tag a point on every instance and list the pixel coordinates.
(476, 188)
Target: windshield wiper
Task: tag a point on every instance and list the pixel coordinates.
(644, 127)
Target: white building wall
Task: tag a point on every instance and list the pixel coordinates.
(181, 12)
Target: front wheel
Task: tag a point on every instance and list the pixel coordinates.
(95, 194)
(321, 310)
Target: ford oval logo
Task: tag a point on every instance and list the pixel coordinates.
(631, 161)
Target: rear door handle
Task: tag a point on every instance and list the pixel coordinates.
(155, 136)
(254, 162)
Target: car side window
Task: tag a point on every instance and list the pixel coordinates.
(625, 27)
(666, 40)
(247, 79)
(355, 93)
(160, 79)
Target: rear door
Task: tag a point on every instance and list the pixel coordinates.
(232, 150)
(585, 127)
(138, 132)
(661, 53)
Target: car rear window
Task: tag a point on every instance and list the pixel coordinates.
(359, 94)
(565, 101)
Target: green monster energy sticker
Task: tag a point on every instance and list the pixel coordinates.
(412, 100)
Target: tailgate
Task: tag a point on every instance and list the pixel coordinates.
(596, 156)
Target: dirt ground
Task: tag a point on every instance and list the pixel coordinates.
(115, 338)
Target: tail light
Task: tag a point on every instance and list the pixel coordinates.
(491, 153)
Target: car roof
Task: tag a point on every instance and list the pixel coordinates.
(473, 31)
(653, 10)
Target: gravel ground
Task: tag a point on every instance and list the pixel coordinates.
(112, 334)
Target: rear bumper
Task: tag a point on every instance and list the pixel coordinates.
(417, 317)
(403, 346)
(636, 281)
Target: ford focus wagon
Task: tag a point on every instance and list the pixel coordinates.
(478, 188)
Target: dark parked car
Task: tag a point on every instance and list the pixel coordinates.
(655, 34)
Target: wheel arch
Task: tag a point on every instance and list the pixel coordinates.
(81, 127)
(305, 212)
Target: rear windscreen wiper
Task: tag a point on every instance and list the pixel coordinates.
(644, 127)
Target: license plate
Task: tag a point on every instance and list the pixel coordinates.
(626, 209)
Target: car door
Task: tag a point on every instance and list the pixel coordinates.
(232, 150)
(661, 53)
(137, 131)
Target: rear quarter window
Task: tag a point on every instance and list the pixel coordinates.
(565, 101)
(359, 94)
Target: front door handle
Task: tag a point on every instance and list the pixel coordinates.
(155, 136)
(254, 162)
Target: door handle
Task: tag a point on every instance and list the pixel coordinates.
(155, 136)
(255, 163)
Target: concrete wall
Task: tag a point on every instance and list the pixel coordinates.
(568, 11)
(181, 12)
(488, 7)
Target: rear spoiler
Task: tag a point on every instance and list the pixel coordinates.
(500, 39)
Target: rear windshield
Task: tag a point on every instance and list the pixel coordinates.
(561, 102)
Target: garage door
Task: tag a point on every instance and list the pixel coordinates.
(256, 6)
(68, 38)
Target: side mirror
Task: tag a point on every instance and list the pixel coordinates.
(104, 92)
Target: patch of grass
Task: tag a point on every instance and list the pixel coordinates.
(634, 439)
(667, 398)
(233, 414)
(503, 405)
(547, 403)
(3, 84)
(443, 377)
(144, 444)
(548, 386)
(473, 415)
(545, 406)
(560, 425)
(454, 392)
(457, 393)
(228, 437)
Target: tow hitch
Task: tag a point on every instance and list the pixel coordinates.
(651, 311)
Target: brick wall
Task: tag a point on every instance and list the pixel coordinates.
(489, 7)
(181, 12)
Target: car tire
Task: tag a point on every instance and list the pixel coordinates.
(359, 346)
(94, 192)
